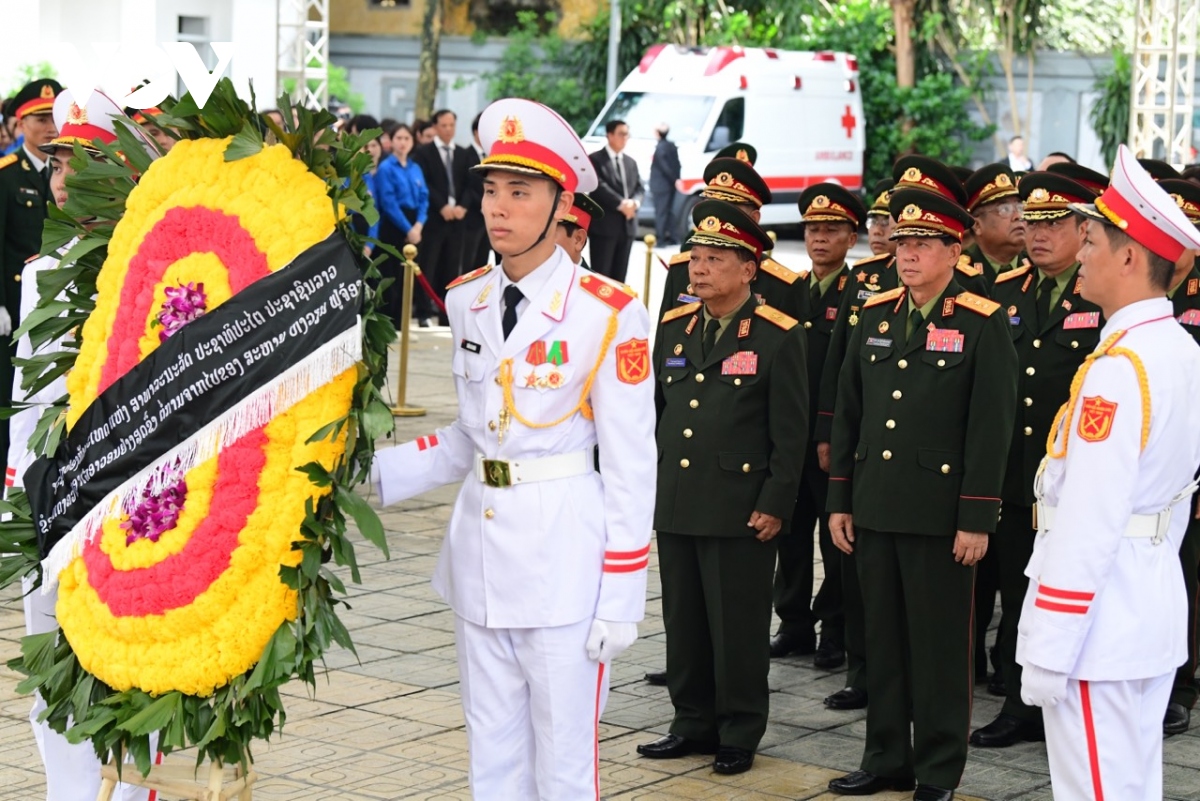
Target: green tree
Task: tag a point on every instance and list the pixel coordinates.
(339, 87)
(1110, 114)
(26, 73)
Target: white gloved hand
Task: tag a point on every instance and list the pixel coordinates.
(6, 325)
(1041, 687)
(607, 639)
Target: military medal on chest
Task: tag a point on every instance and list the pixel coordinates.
(548, 367)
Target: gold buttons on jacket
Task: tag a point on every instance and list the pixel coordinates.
(1030, 371)
(685, 464)
(897, 395)
(941, 362)
(668, 379)
(887, 455)
(872, 357)
(497, 380)
(1037, 343)
(491, 425)
(1074, 344)
(17, 278)
(687, 432)
(489, 514)
(808, 323)
(29, 204)
(890, 424)
(699, 378)
(1028, 431)
(737, 382)
(902, 364)
(945, 469)
(1029, 401)
(695, 404)
(746, 468)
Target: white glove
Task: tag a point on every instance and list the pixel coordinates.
(5, 322)
(607, 639)
(1041, 687)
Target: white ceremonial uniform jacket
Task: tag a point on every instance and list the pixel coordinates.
(553, 552)
(21, 425)
(1102, 606)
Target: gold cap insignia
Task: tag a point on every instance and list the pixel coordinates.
(1178, 200)
(883, 327)
(77, 115)
(911, 212)
(47, 92)
(1039, 195)
(723, 179)
(912, 175)
(1002, 180)
(742, 155)
(883, 199)
(710, 224)
(820, 202)
(511, 130)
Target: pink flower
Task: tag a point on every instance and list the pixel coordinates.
(155, 514)
(183, 304)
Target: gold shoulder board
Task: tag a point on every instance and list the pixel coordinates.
(681, 311)
(1009, 275)
(884, 297)
(471, 276)
(771, 314)
(977, 304)
(872, 260)
(774, 268)
(965, 267)
(11, 158)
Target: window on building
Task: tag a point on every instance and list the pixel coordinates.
(195, 30)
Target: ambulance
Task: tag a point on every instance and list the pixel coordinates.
(802, 111)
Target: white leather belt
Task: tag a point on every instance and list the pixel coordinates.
(510, 472)
(1152, 527)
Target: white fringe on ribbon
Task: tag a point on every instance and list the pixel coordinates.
(252, 412)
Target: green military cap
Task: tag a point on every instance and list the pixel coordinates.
(1095, 181)
(36, 97)
(740, 151)
(1186, 195)
(920, 212)
(1159, 170)
(922, 172)
(734, 181)
(829, 202)
(990, 183)
(583, 211)
(722, 225)
(882, 192)
(1048, 195)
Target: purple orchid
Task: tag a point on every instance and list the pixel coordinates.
(184, 303)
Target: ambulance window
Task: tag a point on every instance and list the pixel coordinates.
(729, 125)
(644, 110)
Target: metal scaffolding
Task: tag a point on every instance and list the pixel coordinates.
(304, 51)
(1164, 79)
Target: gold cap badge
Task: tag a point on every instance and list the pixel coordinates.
(710, 224)
(77, 115)
(911, 212)
(511, 130)
(742, 155)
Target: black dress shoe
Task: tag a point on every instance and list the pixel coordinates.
(732, 760)
(657, 677)
(1177, 720)
(927, 792)
(860, 782)
(1007, 730)
(672, 746)
(996, 685)
(831, 654)
(849, 698)
(785, 643)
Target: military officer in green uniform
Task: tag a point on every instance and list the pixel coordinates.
(879, 220)
(830, 216)
(732, 401)
(993, 200)
(1185, 297)
(1053, 329)
(925, 406)
(24, 193)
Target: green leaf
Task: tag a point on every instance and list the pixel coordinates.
(369, 524)
(377, 419)
(154, 717)
(248, 142)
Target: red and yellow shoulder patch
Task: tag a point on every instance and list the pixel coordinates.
(771, 314)
(615, 295)
(471, 276)
(633, 361)
(10, 159)
(777, 270)
(977, 303)
(681, 311)
(1009, 275)
(884, 297)
(1096, 419)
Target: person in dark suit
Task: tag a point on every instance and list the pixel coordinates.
(619, 194)
(24, 193)
(475, 242)
(445, 166)
(664, 172)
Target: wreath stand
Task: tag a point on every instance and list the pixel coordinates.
(182, 781)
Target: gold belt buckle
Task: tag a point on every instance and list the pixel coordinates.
(496, 473)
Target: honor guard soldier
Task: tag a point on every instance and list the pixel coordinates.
(1103, 628)
(732, 422)
(24, 193)
(1185, 300)
(924, 413)
(573, 227)
(544, 561)
(993, 200)
(830, 216)
(1053, 329)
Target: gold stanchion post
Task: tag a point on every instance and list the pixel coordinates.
(650, 241)
(411, 270)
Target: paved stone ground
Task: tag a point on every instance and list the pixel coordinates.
(388, 725)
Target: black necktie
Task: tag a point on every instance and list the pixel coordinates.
(814, 295)
(915, 318)
(1044, 290)
(621, 175)
(512, 296)
(710, 336)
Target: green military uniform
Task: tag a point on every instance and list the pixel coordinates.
(920, 433)
(974, 258)
(774, 284)
(731, 435)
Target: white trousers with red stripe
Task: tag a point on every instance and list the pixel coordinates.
(532, 700)
(72, 771)
(1105, 740)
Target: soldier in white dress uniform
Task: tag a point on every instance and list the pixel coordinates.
(1104, 622)
(544, 561)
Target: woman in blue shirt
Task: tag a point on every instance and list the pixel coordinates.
(403, 201)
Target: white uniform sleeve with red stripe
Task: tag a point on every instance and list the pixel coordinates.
(1074, 560)
(426, 463)
(624, 417)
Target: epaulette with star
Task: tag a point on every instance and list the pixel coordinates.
(471, 276)
(615, 295)
(869, 260)
(976, 303)
(775, 316)
(965, 267)
(884, 297)
(1009, 275)
(777, 270)
(681, 311)
(683, 257)
(8, 160)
